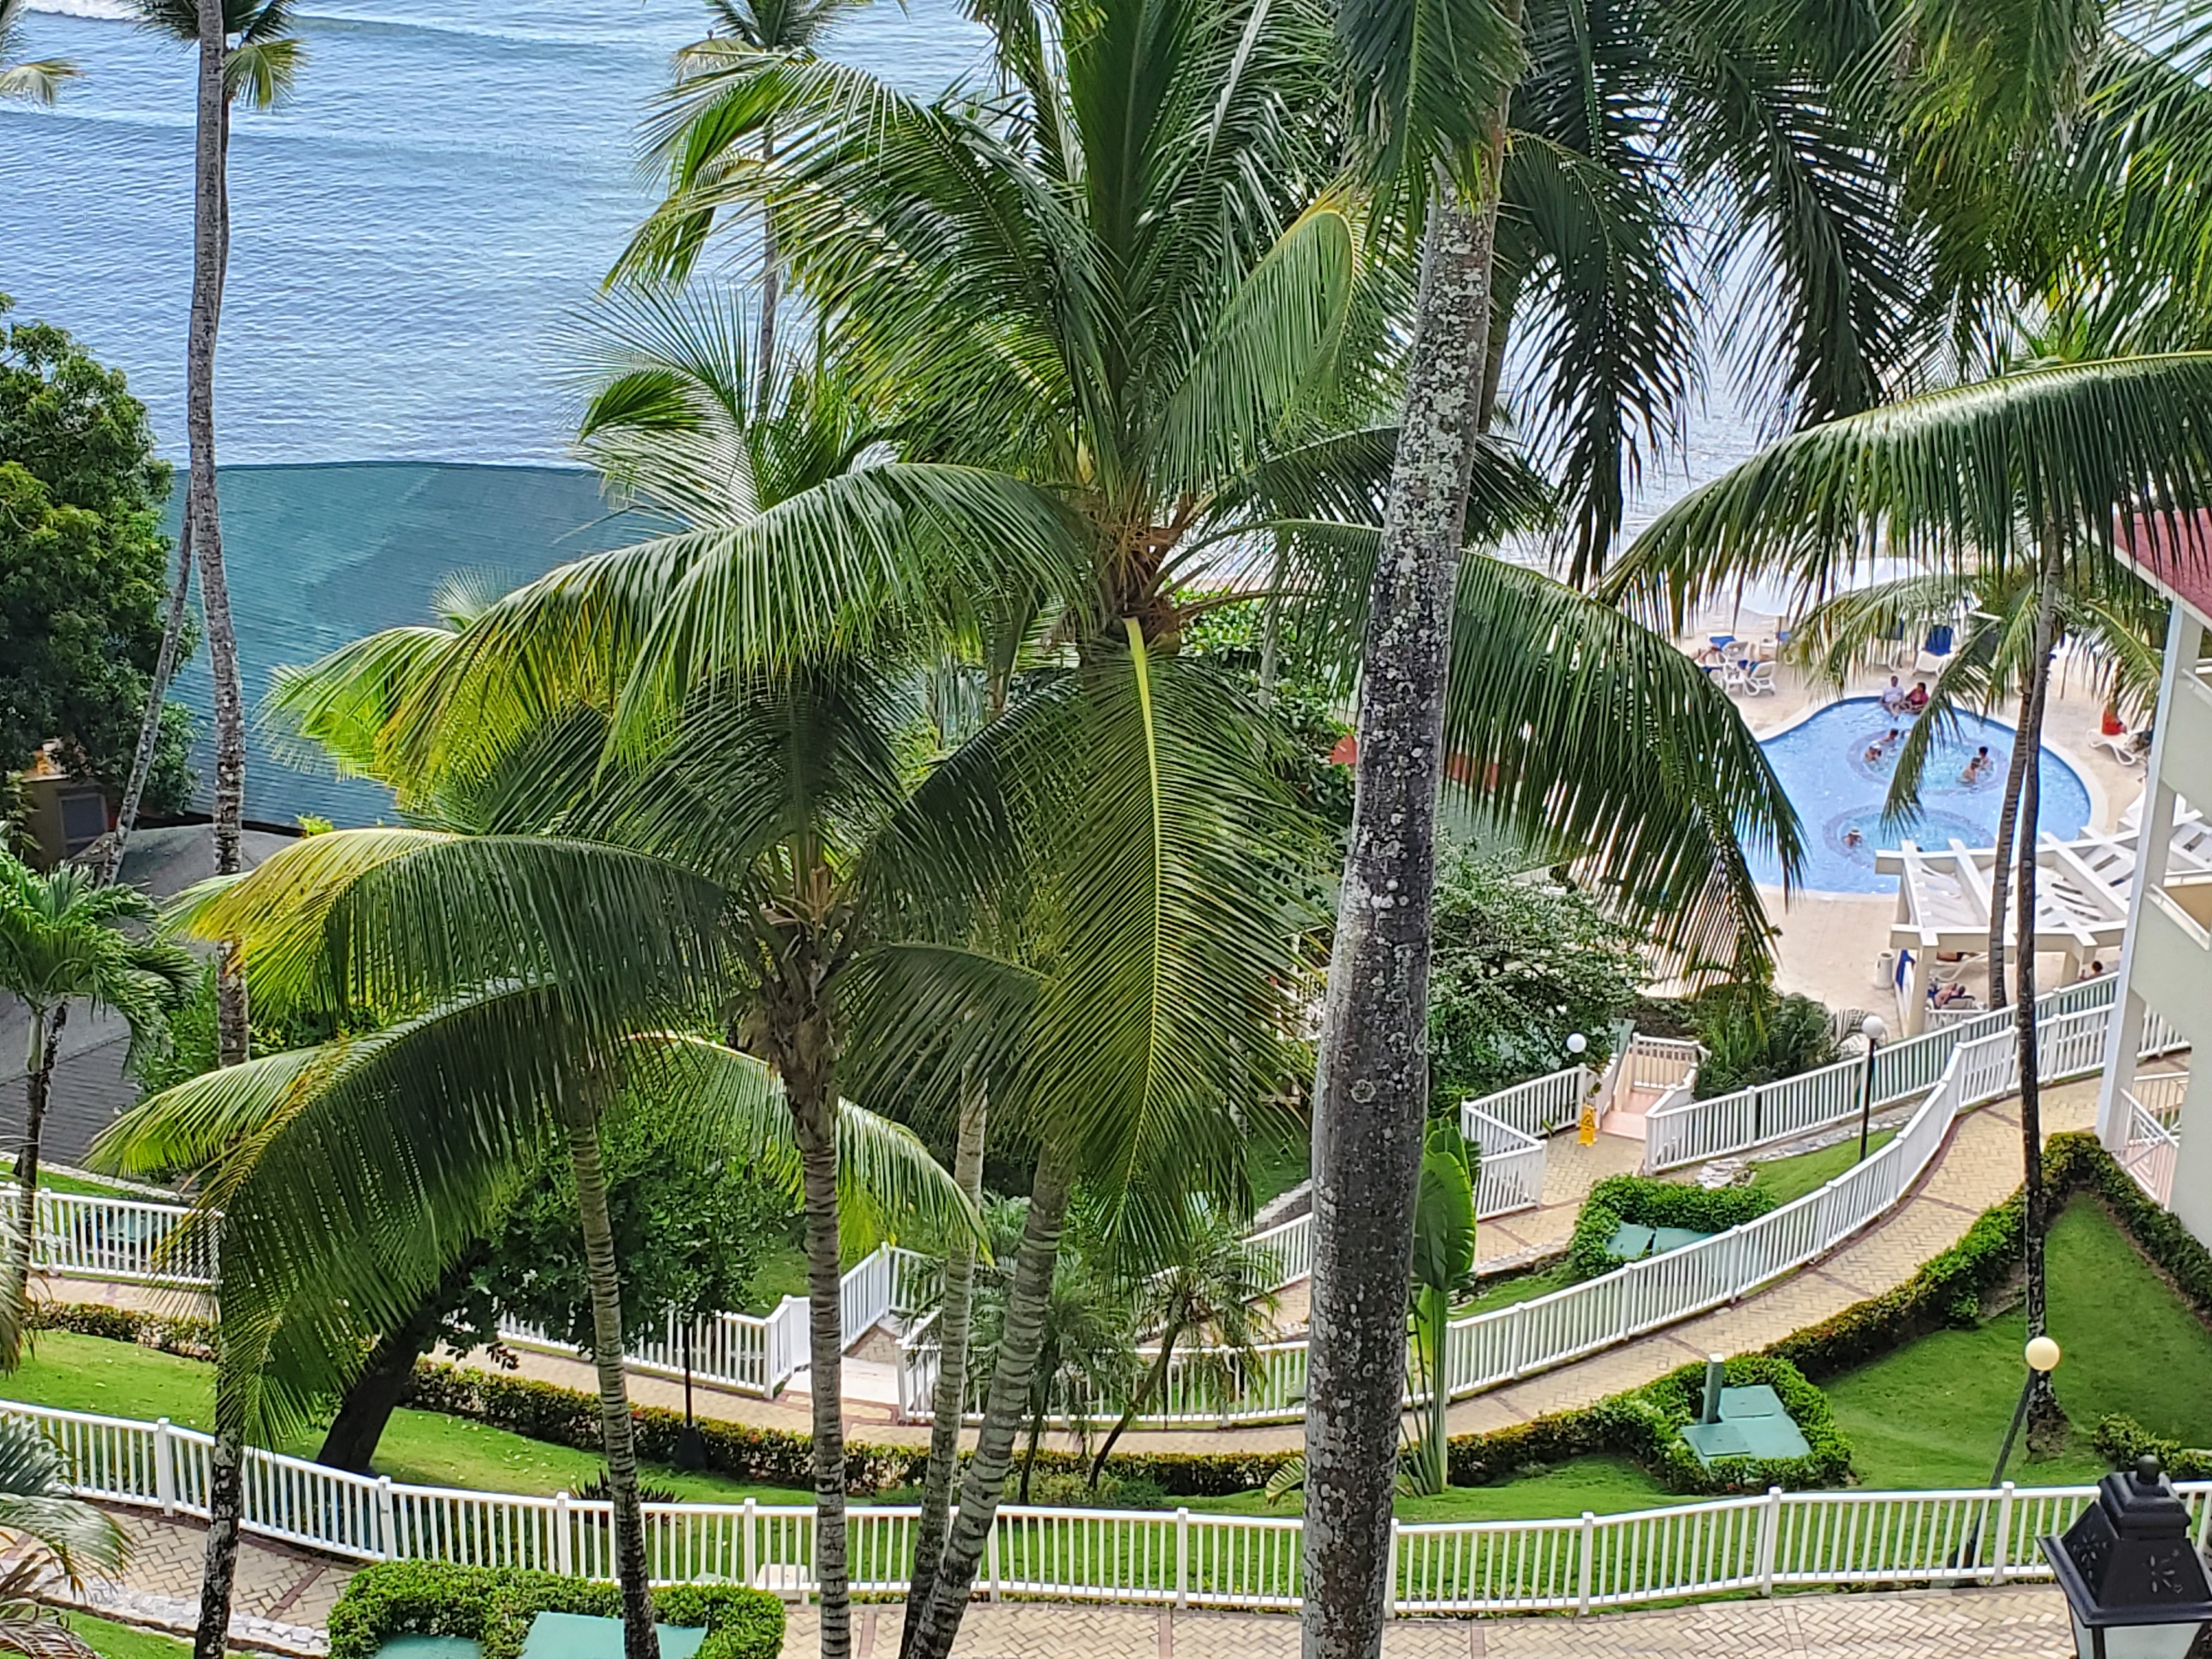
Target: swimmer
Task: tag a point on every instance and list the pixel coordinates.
(1854, 836)
(1873, 753)
(1978, 767)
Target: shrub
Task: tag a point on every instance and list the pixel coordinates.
(2121, 1440)
(1652, 1203)
(493, 1607)
(187, 1335)
(1751, 1035)
(1644, 1426)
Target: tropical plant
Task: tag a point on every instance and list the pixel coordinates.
(245, 49)
(2106, 614)
(1214, 1289)
(1958, 479)
(1016, 275)
(36, 81)
(1443, 1258)
(64, 939)
(1751, 1035)
(47, 1528)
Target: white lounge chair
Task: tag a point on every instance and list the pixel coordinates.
(1755, 680)
(2122, 745)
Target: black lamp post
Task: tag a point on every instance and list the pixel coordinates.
(1875, 1031)
(2134, 1584)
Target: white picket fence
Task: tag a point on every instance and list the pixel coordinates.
(1682, 1131)
(759, 1354)
(1176, 1558)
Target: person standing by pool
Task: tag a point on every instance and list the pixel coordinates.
(1978, 767)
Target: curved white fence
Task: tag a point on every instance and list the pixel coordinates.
(1176, 1558)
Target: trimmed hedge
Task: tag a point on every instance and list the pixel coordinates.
(493, 1606)
(1649, 1202)
(1644, 1426)
(2121, 1440)
(188, 1335)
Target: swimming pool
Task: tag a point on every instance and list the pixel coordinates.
(1822, 763)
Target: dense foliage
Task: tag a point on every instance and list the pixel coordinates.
(493, 1607)
(1521, 963)
(82, 566)
(1645, 1201)
(1753, 1035)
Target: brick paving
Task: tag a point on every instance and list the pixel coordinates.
(1888, 1625)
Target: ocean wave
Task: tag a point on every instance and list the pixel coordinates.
(113, 11)
(123, 11)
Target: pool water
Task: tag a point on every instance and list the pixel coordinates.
(1822, 763)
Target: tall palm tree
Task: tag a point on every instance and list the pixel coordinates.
(1949, 479)
(1215, 1289)
(789, 28)
(2110, 615)
(245, 50)
(62, 939)
(1018, 275)
(38, 82)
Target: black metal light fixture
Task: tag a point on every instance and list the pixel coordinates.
(2134, 1584)
(1875, 1030)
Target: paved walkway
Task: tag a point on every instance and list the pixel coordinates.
(284, 1596)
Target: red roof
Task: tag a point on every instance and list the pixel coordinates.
(2173, 551)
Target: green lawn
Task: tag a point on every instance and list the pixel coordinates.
(1278, 1163)
(92, 1374)
(1933, 1413)
(1791, 1178)
(1505, 1289)
(62, 1183)
(1603, 1485)
(113, 1641)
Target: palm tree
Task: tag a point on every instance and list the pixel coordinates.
(789, 28)
(2110, 614)
(1215, 1288)
(1017, 275)
(46, 1529)
(64, 938)
(1949, 479)
(245, 50)
(34, 82)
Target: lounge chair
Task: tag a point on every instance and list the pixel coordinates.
(2122, 745)
(1758, 680)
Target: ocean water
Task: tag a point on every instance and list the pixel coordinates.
(1822, 763)
(451, 181)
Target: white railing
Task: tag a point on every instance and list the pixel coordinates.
(1679, 1132)
(1176, 1558)
(2161, 1094)
(95, 1237)
(1512, 1175)
(2152, 1151)
(1537, 1107)
(1290, 1246)
(758, 1354)
(1662, 1062)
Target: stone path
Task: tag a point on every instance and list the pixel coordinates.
(1979, 1624)
(284, 1595)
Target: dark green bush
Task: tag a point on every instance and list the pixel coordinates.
(1648, 1202)
(2121, 1440)
(493, 1606)
(1644, 1426)
(187, 1335)
(1751, 1035)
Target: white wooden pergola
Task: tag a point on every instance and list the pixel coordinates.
(1943, 897)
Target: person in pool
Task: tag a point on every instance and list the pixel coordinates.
(1854, 836)
(1978, 767)
(1917, 699)
(1876, 750)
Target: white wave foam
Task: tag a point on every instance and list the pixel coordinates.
(113, 11)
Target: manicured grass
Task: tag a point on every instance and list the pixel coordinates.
(93, 1374)
(1603, 1485)
(1505, 1289)
(1791, 1178)
(113, 1641)
(1932, 1414)
(62, 1183)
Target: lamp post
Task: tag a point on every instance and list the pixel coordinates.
(2135, 1584)
(2042, 1356)
(1586, 1119)
(1874, 1030)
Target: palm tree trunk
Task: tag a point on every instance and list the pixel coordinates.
(2043, 1415)
(226, 1507)
(38, 1089)
(149, 728)
(771, 286)
(812, 1094)
(2016, 774)
(938, 1620)
(1155, 1380)
(1372, 1086)
(949, 1403)
(388, 1378)
(579, 1125)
